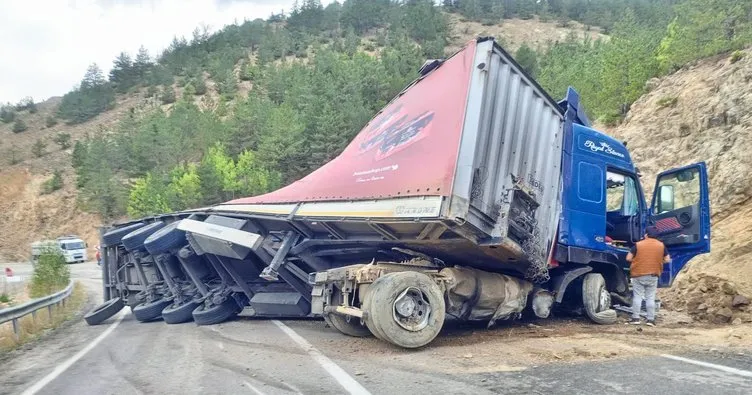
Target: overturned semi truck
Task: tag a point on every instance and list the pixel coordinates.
(471, 195)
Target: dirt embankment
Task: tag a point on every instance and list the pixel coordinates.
(704, 113)
(515, 32)
(26, 215)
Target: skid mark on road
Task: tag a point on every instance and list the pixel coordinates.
(727, 369)
(60, 369)
(345, 380)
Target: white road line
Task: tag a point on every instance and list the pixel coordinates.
(345, 380)
(254, 389)
(292, 387)
(221, 346)
(727, 369)
(60, 369)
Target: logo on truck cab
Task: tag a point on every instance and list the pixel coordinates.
(603, 147)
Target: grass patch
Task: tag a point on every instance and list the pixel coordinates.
(736, 56)
(668, 101)
(31, 328)
(5, 298)
(53, 184)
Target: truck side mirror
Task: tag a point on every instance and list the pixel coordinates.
(665, 198)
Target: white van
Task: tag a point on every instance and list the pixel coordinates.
(72, 248)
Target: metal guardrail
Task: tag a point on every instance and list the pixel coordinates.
(31, 307)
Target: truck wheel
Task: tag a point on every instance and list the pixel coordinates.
(165, 239)
(597, 300)
(150, 311)
(104, 311)
(114, 236)
(216, 313)
(406, 308)
(135, 240)
(348, 325)
(173, 314)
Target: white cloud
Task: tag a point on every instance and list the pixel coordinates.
(46, 45)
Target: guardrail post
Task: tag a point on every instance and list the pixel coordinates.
(49, 311)
(15, 330)
(34, 316)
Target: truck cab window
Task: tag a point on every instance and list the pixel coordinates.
(677, 191)
(622, 207)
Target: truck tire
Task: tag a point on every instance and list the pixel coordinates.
(597, 300)
(114, 236)
(135, 240)
(348, 325)
(165, 239)
(104, 311)
(216, 313)
(150, 311)
(406, 308)
(173, 314)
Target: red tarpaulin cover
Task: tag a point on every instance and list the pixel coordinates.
(409, 149)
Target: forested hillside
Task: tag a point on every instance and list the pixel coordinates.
(261, 103)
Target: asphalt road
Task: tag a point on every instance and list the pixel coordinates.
(254, 356)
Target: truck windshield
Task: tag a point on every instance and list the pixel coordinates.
(621, 194)
(73, 246)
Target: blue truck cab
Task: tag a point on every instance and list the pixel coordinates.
(605, 209)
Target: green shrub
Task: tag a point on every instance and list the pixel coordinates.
(50, 121)
(736, 56)
(19, 126)
(39, 149)
(200, 86)
(168, 95)
(53, 184)
(152, 91)
(7, 114)
(668, 101)
(5, 298)
(51, 273)
(12, 155)
(63, 140)
(611, 118)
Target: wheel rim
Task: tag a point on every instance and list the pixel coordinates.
(604, 300)
(411, 310)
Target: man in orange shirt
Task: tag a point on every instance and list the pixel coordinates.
(646, 258)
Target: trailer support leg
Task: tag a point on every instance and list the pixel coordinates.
(271, 272)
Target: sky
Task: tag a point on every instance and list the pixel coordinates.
(46, 45)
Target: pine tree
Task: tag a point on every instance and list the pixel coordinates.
(143, 63)
(39, 148)
(527, 58)
(93, 77)
(123, 74)
(19, 126)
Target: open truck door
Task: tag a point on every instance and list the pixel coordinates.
(681, 212)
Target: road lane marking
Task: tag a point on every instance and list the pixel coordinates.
(221, 346)
(292, 387)
(254, 389)
(60, 369)
(345, 380)
(723, 368)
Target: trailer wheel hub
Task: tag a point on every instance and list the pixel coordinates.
(605, 300)
(411, 310)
